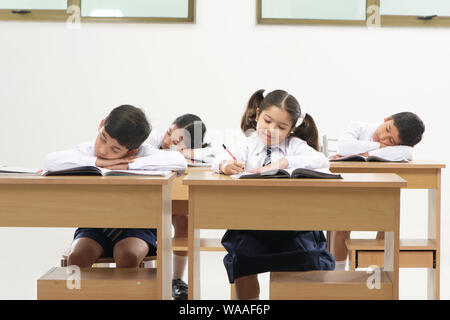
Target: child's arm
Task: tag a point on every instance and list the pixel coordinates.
(153, 159)
(81, 156)
(202, 154)
(223, 160)
(301, 155)
(394, 153)
(349, 142)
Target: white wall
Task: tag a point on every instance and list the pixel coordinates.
(57, 84)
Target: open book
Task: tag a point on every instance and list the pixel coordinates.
(96, 171)
(357, 157)
(10, 169)
(290, 173)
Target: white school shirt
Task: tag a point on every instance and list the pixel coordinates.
(252, 151)
(358, 139)
(206, 154)
(149, 159)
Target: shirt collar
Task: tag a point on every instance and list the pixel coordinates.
(259, 146)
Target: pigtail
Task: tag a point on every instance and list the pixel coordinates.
(249, 117)
(308, 132)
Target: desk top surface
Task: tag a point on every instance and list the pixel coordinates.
(369, 180)
(415, 164)
(84, 180)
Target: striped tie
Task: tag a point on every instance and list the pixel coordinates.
(112, 233)
(268, 160)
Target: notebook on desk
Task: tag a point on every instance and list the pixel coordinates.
(96, 171)
(17, 170)
(357, 157)
(299, 173)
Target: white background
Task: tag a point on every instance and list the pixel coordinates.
(57, 84)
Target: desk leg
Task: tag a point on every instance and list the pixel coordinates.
(193, 253)
(392, 250)
(434, 223)
(164, 246)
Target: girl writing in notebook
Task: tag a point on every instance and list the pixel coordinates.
(119, 145)
(186, 135)
(279, 136)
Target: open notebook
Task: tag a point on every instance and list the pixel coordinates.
(290, 174)
(357, 157)
(96, 171)
(10, 169)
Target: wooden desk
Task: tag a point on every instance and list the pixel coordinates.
(357, 202)
(94, 202)
(419, 174)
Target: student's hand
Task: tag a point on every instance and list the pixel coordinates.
(231, 167)
(105, 163)
(365, 154)
(334, 157)
(118, 167)
(187, 153)
(280, 164)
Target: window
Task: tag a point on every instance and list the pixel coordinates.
(355, 12)
(138, 10)
(99, 10)
(347, 12)
(415, 12)
(50, 10)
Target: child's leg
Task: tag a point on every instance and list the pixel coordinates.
(339, 249)
(180, 224)
(84, 252)
(247, 287)
(129, 252)
(380, 235)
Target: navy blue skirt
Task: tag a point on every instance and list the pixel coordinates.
(108, 243)
(253, 251)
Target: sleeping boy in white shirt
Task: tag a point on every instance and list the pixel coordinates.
(119, 145)
(393, 140)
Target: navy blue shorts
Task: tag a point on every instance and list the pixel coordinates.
(98, 235)
(252, 252)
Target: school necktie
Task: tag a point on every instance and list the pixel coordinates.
(268, 160)
(112, 233)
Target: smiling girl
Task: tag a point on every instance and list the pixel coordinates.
(284, 138)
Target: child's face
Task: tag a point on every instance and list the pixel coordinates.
(107, 147)
(273, 125)
(387, 133)
(173, 137)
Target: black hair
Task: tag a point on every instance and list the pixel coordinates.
(195, 128)
(128, 125)
(410, 128)
(307, 131)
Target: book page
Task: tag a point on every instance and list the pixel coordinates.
(108, 172)
(11, 169)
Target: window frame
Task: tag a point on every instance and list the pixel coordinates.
(189, 19)
(261, 20)
(388, 20)
(63, 16)
(36, 15)
(385, 20)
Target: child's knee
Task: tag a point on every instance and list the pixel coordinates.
(80, 259)
(126, 258)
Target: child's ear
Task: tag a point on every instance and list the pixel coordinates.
(101, 124)
(132, 152)
(257, 114)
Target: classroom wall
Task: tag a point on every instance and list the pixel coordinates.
(56, 84)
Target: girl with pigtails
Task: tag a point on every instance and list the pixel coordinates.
(278, 136)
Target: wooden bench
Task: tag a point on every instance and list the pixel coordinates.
(327, 285)
(98, 284)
